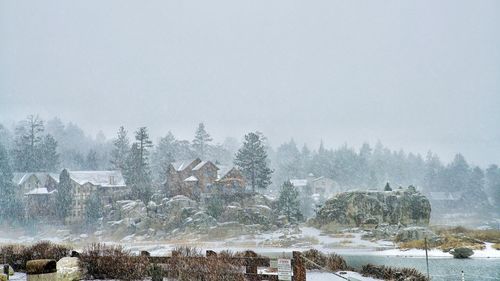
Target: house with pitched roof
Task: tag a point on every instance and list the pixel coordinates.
(194, 177)
(109, 185)
(37, 191)
(35, 182)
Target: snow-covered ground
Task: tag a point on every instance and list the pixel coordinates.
(283, 240)
(278, 242)
(326, 276)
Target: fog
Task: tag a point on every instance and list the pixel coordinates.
(416, 75)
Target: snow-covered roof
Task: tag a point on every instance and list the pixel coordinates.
(182, 164)
(20, 178)
(191, 179)
(102, 178)
(223, 170)
(40, 191)
(299, 182)
(201, 164)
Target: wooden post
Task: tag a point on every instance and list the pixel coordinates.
(251, 272)
(427, 258)
(299, 270)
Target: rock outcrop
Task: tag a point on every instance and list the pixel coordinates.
(167, 217)
(358, 208)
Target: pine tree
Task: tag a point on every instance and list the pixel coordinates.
(321, 164)
(251, 159)
(288, 162)
(48, 156)
(64, 196)
(163, 154)
(10, 206)
(138, 170)
(93, 209)
(201, 141)
(120, 151)
(387, 187)
(29, 135)
(288, 202)
(91, 162)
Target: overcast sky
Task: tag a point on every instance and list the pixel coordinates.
(416, 75)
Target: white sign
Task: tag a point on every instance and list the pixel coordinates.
(285, 269)
(284, 277)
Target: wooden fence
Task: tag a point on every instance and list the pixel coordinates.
(249, 261)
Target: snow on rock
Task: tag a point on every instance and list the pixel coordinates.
(68, 269)
(356, 208)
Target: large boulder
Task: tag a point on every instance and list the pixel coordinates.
(255, 214)
(175, 211)
(176, 206)
(358, 208)
(68, 269)
(200, 221)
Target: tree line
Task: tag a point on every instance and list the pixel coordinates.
(34, 145)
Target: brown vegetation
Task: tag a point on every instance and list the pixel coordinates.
(489, 235)
(390, 273)
(456, 237)
(18, 255)
(446, 243)
(222, 267)
(100, 261)
(315, 259)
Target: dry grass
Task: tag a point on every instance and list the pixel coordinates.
(18, 255)
(446, 243)
(456, 237)
(317, 260)
(490, 235)
(101, 261)
(310, 239)
(189, 264)
(332, 228)
(342, 235)
(496, 246)
(390, 273)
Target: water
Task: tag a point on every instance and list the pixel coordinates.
(441, 269)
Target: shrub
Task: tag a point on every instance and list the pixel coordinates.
(462, 253)
(335, 262)
(101, 261)
(391, 273)
(18, 255)
(317, 260)
(314, 259)
(189, 264)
